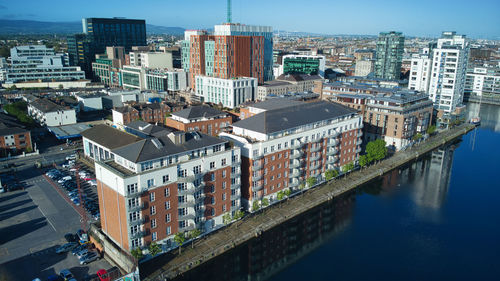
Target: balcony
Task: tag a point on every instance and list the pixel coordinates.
(136, 208)
(296, 154)
(332, 159)
(296, 145)
(186, 191)
(317, 140)
(187, 203)
(136, 194)
(360, 133)
(358, 150)
(257, 177)
(315, 149)
(187, 216)
(333, 142)
(187, 227)
(236, 196)
(257, 157)
(295, 173)
(294, 164)
(235, 185)
(257, 165)
(138, 235)
(332, 151)
(191, 178)
(257, 187)
(136, 222)
(315, 167)
(359, 142)
(314, 158)
(335, 134)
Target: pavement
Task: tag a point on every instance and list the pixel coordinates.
(32, 225)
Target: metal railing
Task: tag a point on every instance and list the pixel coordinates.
(136, 208)
(333, 142)
(257, 177)
(296, 154)
(138, 235)
(136, 222)
(185, 191)
(296, 145)
(315, 149)
(314, 158)
(315, 167)
(332, 151)
(187, 203)
(257, 187)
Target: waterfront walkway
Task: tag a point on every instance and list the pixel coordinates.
(253, 225)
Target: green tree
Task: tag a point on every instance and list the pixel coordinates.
(13, 87)
(280, 195)
(238, 215)
(311, 181)
(348, 167)
(302, 186)
(287, 192)
(179, 238)
(417, 136)
(137, 253)
(193, 234)
(154, 249)
(329, 174)
(363, 161)
(60, 86)
(265, 202)
(226, 218)
(255, 206)
(431, 129)
(376, 150)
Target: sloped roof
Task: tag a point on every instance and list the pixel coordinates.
(148, 128)
(276, 120)
(109, 137)
(146, 149)
(200, 111)
(271, 104)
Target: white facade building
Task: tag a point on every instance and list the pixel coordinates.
(483, 80)
(37, 62)
(420, 72)
(50, 114)
(449, 66)
(364, 67)
(228, 92)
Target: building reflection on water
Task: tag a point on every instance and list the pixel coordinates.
(274, 250)
(490, 115)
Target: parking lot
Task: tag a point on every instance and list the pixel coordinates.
(33, 223)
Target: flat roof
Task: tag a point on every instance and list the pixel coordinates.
(68, 131)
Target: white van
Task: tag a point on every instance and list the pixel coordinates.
(66, 178)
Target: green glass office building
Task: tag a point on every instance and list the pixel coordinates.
(390, 47)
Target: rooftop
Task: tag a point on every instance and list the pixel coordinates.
(272, 104)
(298, 77)
(197, 112)
(109, 137)
(148, 128)
(45, 105)
(293, 116)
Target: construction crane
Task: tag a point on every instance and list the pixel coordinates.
(229, 11)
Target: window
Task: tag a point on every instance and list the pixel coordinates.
(151, 183)
(153, 223)
(223, 196)
(167, 205)
(212, 200)
(169, 230)
(273, 158)
(213, 211)
(223, 185)
(152, 197)
(224, 208)
(154, 236)
(167, 192)
(132, 188)
(166, 178)
(152, 210)
(224, 174)
(223, 162)
(168, 218)
(197, 169)
(212, 165)
(182, 173)
(279, 146)
(212, 176)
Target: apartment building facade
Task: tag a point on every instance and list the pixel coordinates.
(390, 48)
(483, 81)
(48, 113)
(282, 148)
(13, 136)
(201, 118)
(228, 92)
(159, 186)
(149, 112)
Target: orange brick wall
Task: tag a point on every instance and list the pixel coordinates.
(113, 214)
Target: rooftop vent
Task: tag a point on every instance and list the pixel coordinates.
(142, 128)
(157, 143)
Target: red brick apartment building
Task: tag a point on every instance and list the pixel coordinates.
(14, 138)
(154, 187)
(201, 118)
(283, 147)
(149, 112)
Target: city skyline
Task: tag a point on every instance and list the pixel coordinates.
(365, 18)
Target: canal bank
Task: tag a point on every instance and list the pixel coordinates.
(171, 265)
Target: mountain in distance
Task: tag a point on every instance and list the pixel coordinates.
(12, 27)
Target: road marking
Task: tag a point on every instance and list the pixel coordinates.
(47, 218)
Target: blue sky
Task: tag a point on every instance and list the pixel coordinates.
(479, 18)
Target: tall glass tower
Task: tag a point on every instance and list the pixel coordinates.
(390, 47)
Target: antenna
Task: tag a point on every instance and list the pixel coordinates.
(228, 11)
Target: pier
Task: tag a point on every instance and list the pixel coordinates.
(170, 265)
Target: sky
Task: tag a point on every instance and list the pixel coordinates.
(476, 19)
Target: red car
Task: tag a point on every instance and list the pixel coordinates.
(88, 178)
(103, 275)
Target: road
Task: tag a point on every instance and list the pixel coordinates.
(32, 225)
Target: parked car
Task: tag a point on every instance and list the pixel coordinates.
(54, 278)
(88, 178)
(93, 182)
(82, 253)
(67, 275)
(63, 179)
(89, 257)
(66, 247)
(78, 249)
(71, 157)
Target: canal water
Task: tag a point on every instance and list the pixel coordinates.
(435, 219)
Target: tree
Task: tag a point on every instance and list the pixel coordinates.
(363, 160)
(137, 253)
(226, 218)
(376, 150)
(302, 186)
(265, 202)
(287, 192)
(154, 249)
(311, 181)
(417, 136)
(329, 174)
(280, 195)
(431, 129)
(238, 215)
(179, 238)
(255, 206)
(348, 167)
(60, 86)
(193, 234)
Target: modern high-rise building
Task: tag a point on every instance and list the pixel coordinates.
(228, 92)
(390, 47)
(420, 71)
(449, 68)
(236, 29)
(99, 33)
(303, 64)
(483, 81)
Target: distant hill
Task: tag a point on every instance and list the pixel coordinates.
(44, 27)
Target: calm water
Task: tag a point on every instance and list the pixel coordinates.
(435, 219)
